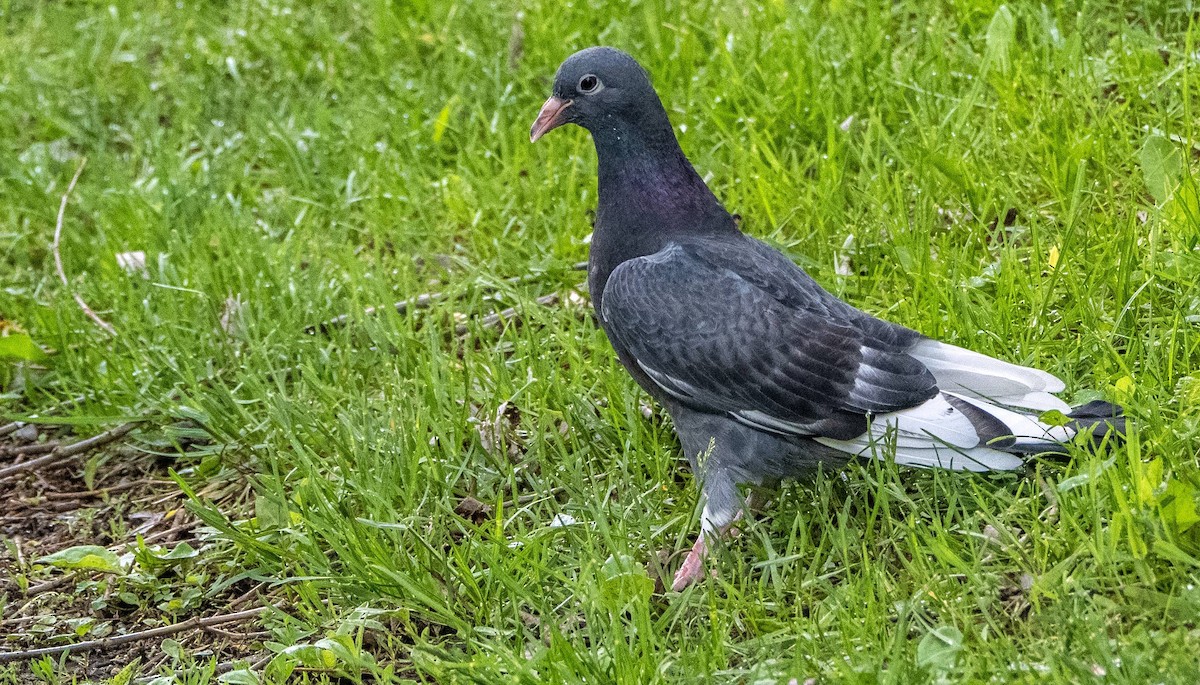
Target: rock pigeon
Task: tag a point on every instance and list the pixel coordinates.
(764, 373)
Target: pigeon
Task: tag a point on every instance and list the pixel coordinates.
(765, 374)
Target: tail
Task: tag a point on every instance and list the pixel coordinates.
(1016, 432)
(963, 433)
(987, 417)
(1100, 418)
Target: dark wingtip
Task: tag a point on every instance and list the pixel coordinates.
(1100, 418)
(1097, 409)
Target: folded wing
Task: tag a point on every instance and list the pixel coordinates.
(758, 341)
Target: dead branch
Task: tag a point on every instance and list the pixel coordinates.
(401, 307)
(58, 263)
(118, 640)
(420, 302)
(52, 584)
(496, 319)
(240, 637)
(246, 596)
(169, 534)
(26, 450)
(101, 492)
(64, 452)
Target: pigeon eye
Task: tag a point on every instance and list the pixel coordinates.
(589, 84)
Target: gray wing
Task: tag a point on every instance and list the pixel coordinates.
(739, 329)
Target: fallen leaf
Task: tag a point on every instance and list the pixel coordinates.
(561, 520)
(26, 433)
(1162, 166)
(939, 649)
(88, 557)
(473, 510)
(845, 257)
(16, 345)
(133, 263)
(501, 433)
(1052, 257)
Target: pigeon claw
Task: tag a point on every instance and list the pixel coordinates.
(693, 566)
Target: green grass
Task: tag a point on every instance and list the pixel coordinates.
(1017, 181)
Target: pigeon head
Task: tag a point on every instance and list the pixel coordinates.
(605, 91)
(648, 190)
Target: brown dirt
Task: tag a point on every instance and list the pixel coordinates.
(45, 510)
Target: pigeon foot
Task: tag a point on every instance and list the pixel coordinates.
(693, 565)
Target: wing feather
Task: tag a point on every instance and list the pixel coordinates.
(982, 377)
(706, 333)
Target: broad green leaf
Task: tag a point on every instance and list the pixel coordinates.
(1179, 505)
(181, 551)
(1150, 477)
(87, 557)
(1000, 36)
(311, 655)
(159, 557)
(939, 649)
(1182, 212)
(172, 648)
(20, 347)
(624, 581)
(1054, 417)
(241, 676)
(270, 512)
(1162, 166)
(342, 647)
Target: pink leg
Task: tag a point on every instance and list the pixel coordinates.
(693, 566)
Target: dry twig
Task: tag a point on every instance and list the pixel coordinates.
(170, 534)
(418, 302)
(422, 302)
(25, 450)
(101, 492)
(64, 452)
(118, 640)
(496, 319)
(52, 584)
(58, 264)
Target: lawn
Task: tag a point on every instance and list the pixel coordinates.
(432, 494)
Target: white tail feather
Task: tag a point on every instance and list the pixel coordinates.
(908, 452)
(1025, 428)
(935, 420)
(933, 434)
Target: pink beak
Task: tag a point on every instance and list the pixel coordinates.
(550, 118)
